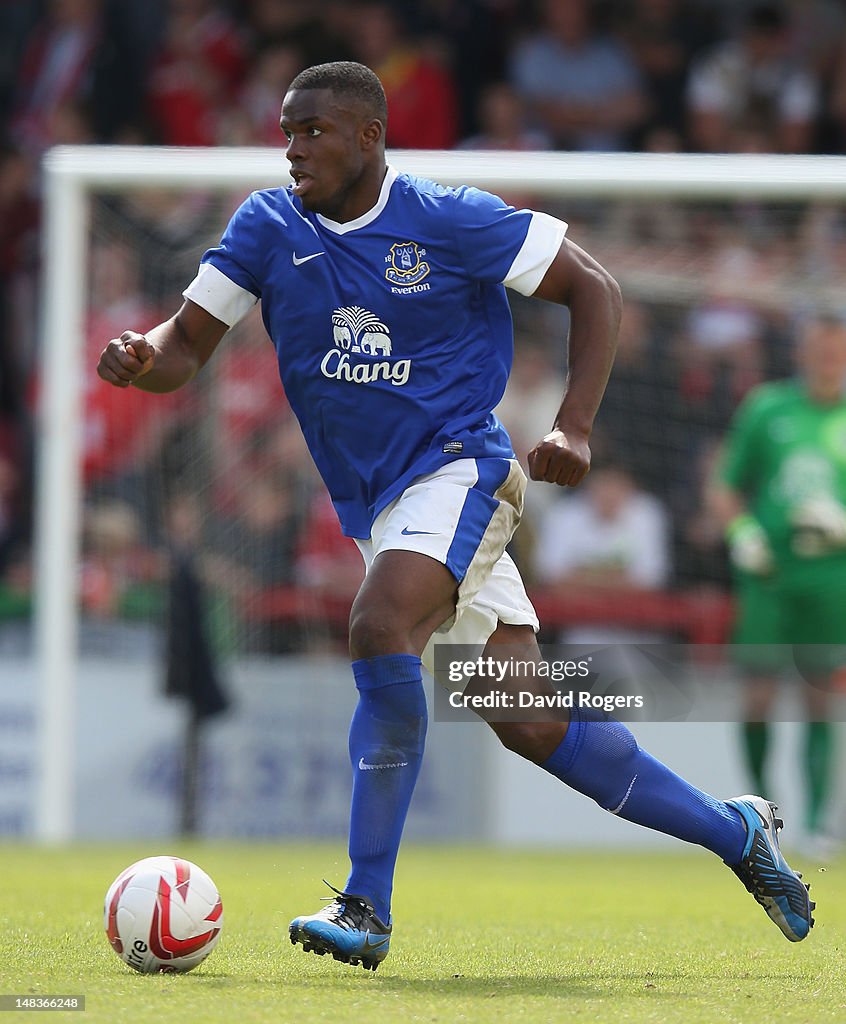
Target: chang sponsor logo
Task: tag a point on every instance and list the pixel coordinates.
(360, 338)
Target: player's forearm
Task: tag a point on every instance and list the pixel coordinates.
(176, 361)
(595, 311)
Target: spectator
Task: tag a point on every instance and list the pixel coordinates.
(250, 403)
(315, 30)
(663, 36)
(532, 396)
(118, 458)
(817, 28)
(255, 121)
(724, 347)
(257, 551)
(534, 392)
(611, 538)
(10, 487)
(584, 87)
(17, 19)
(15, 595)
(74, 56)
(70, 125)
(422, 106)
(502, 122)
(119, 577)
(19, 223)
(472, 37)
(328, 563)
(199, 68)
(748, 95)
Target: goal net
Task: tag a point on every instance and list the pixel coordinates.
(152, 507)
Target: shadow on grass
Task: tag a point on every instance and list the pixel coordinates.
(508, 987)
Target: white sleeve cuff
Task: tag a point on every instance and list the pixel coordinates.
(540, 248)
(220, 296)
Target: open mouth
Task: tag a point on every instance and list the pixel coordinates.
(302, 182)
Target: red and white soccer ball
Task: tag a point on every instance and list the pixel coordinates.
(163, 914)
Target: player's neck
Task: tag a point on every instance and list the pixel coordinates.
(362, 197)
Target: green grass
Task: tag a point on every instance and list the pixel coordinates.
(481, 936)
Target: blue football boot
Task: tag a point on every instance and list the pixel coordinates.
(348, 928)
(765, 872)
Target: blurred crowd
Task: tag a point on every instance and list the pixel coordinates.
(710, 298)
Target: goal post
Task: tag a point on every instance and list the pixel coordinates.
(72, 174)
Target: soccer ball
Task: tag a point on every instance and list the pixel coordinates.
(162, 915)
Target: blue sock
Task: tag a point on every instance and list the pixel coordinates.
(387, 735)
(601, 758)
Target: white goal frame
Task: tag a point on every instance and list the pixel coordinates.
(71, 173)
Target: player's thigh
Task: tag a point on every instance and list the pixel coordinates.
(500, 609)
(404, 593)
(463, 516)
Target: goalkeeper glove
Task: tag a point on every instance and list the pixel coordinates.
(819, 527)
(749, 548)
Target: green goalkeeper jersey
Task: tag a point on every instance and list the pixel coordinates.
(782, 450)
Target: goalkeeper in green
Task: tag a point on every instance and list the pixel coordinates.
(781, 494)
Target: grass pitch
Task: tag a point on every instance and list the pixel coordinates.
(481, 936)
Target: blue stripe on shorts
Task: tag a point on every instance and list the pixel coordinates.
(476, 513)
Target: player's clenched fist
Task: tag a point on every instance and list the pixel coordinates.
(560, 458)
(125, 359)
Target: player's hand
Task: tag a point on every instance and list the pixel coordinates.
(560, 458)
(125, 359)
(819, 527)
(749, 547)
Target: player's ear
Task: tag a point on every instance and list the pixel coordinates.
(372, 134)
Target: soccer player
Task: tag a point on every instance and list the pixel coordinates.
(782, 497)
(383, 294)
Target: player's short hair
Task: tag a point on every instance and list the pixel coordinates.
(350, 79)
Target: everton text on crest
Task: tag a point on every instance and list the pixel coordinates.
(407, 268)
(361, 334)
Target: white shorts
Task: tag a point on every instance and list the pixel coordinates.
(463, 515)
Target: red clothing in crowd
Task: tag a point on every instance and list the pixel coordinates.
(199, 68)
(422, 106)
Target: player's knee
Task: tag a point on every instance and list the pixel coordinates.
(535, 741)
(374, 631)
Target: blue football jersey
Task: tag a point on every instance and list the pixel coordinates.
(392, 331)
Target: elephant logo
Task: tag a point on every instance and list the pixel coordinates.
(375, 344)
(342, 336)
(357, 330)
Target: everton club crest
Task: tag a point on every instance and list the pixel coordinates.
(406, 265)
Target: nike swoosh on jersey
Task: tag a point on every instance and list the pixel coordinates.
(410, 533)
(304, 259)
